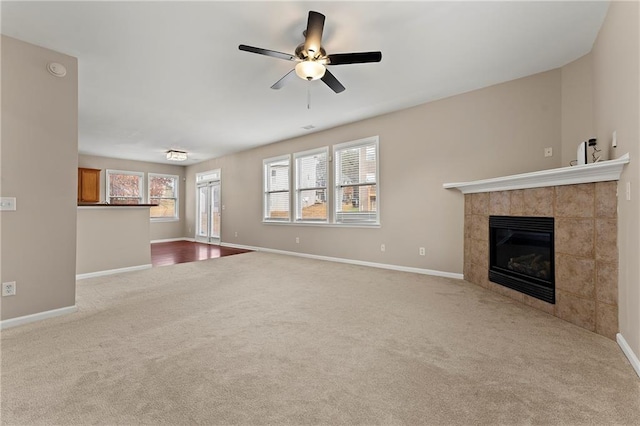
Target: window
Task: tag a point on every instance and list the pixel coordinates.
(276, 189)
(355, 186)
(211, 175)
(356, 178)
(124, 187)
(311, 185)
(163, 191)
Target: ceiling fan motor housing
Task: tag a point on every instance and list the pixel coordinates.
(303, 54)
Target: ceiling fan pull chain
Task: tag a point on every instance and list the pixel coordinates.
(309, 95)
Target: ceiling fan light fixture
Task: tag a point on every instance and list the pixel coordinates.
(310, 70)
(176, 155)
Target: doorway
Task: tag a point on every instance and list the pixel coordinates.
(208, 220)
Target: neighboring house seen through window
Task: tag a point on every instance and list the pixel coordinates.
(276, 189)
(311, 185)
(355, 196)
(356, 177)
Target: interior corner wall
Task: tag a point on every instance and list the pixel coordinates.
(616, 98)
(38, 167)
(577, 108)
(158, 230)
(495, 131)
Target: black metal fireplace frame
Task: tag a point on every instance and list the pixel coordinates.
(532, 286)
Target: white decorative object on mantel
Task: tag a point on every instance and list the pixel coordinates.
(586, 173)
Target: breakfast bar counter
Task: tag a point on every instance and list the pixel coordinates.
(112, 238)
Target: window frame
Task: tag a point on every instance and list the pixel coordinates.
(110, 172)
(266, 191)
(332, 189)
(209, 176)
(364, 143)
(176, 178)
(297, 216)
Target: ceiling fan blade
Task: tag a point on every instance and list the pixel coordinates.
(280, 83)
(266, 52)
(354, 58)
(313, 34)
(331, 81)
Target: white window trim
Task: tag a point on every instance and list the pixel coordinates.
(265, 186)
(332, 187)
(175, 218)
(215, 175)
(296, 190)
(108, 174)
(375, 140)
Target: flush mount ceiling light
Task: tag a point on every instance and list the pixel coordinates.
(176, 155)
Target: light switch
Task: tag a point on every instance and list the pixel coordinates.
(628, 191)
(8, 204)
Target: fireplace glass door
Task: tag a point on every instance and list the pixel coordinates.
(521, 255)
(524, 252)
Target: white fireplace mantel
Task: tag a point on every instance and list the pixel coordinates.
(587, 173)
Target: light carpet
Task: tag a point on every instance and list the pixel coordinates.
(261, 338)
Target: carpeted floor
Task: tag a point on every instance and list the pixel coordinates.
(268, 339)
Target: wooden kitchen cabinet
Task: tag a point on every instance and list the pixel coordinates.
(88, 185)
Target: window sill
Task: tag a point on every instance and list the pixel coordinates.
(324, 224)
(114, 206)
(162, 219)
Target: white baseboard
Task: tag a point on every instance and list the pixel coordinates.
(350, 261)
(112, 271)
(13, 322)
(170, 240)
(626, 349)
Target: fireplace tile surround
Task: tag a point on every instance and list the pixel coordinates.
(586, 254)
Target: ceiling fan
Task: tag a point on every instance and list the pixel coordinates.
(312, 58)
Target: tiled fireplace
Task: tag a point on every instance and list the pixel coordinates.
(582, 201)
(586, 254)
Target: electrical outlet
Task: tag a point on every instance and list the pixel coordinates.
(382, 247)
(8, 204)
(422, 251)
(9, 289)
(297, 240)
(236, 233)
(548, 152)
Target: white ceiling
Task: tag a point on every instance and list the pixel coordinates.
(155, 76)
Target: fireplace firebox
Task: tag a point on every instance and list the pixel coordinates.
(521, 255)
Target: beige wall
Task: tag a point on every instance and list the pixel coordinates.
(491, 132)
(38, 167)
(112, 238)
(577, 109)
(159, 230)
(616, 99)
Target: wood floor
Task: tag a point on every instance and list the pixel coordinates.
(174, 252)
